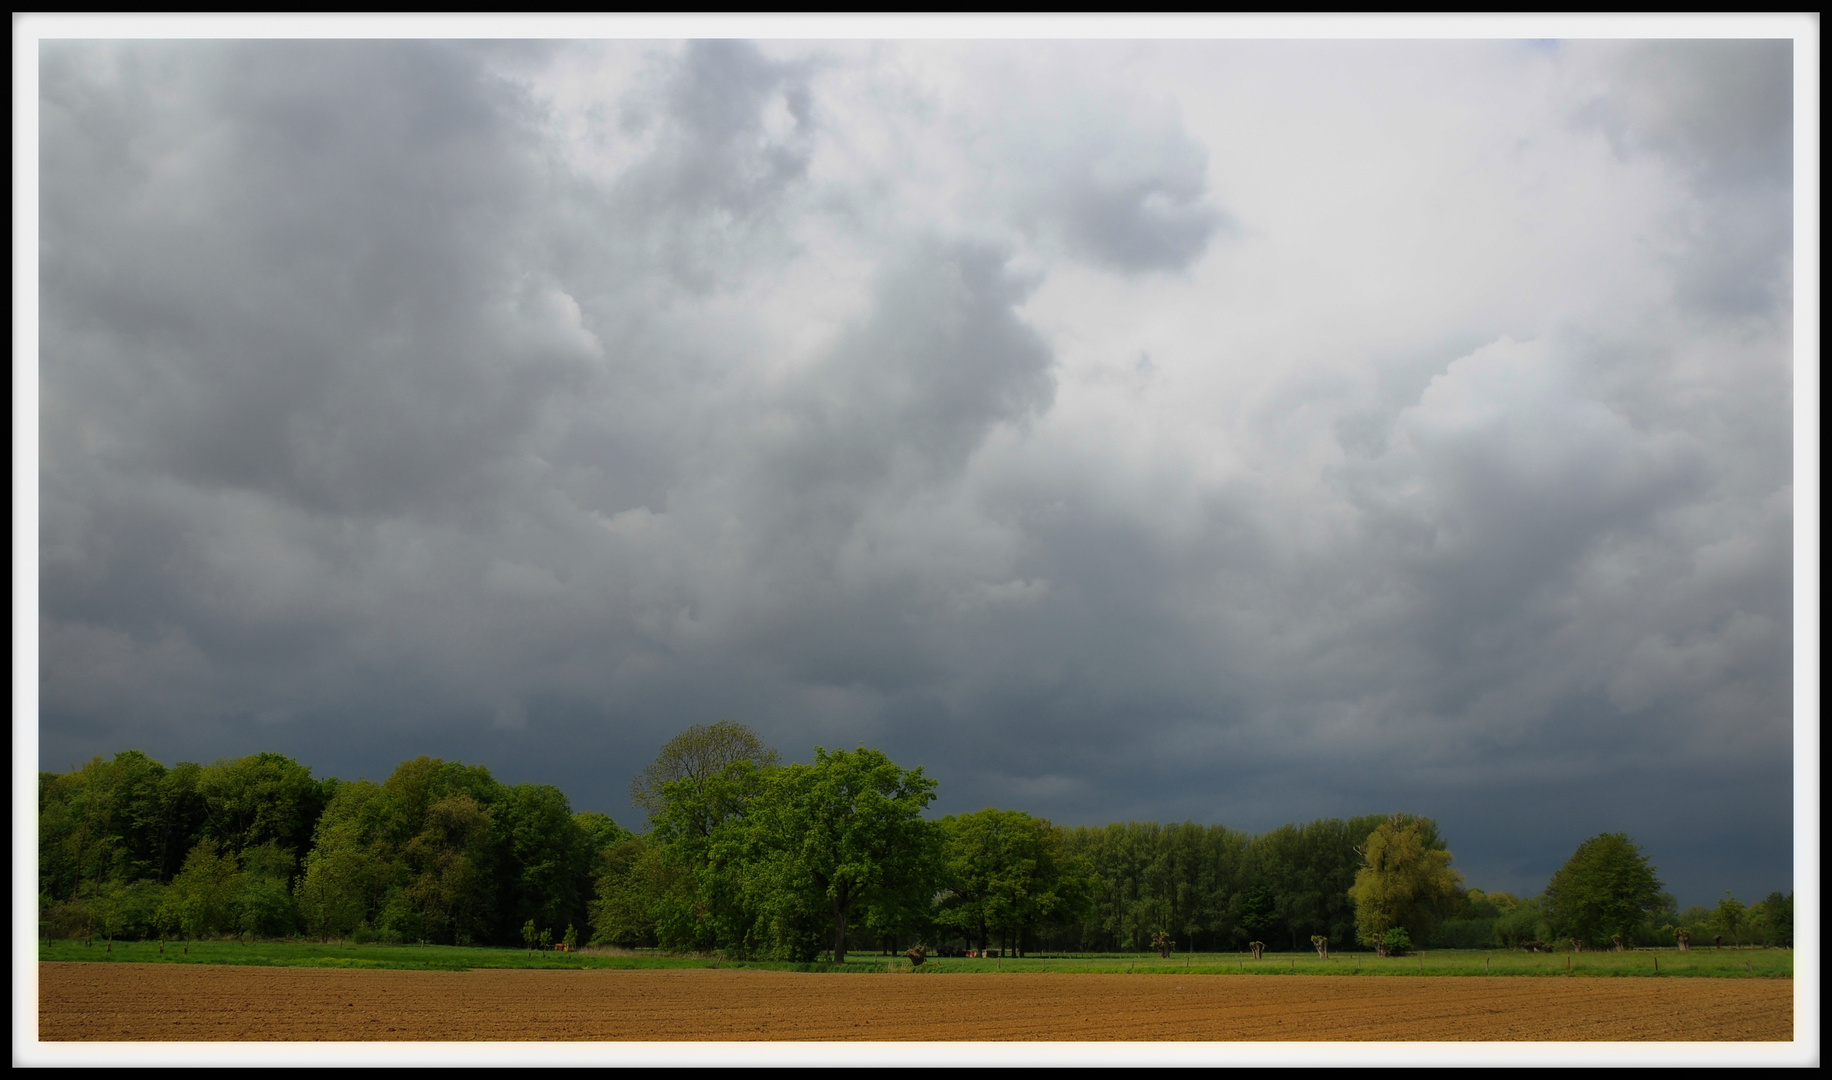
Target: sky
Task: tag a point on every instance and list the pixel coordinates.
(1236, 431)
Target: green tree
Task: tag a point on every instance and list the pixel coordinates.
(697, 755)
(349, 867)
(1522, 922)
(264, 903)
(1729, 918)
(547, 866)
(600, 830)
(1006, 873)
(632, 884)
(843, 831)
(252, 800)
(1606, 888)
(1772, 920)
(449, 868)
(1405, 880)
(705, 848)
(202, 898)
(436, 853)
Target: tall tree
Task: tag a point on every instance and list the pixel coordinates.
(844, 830)
(1404, 881)
(549, 856)
(704, 852)
(1006, 873)
(632, 885)
(349, 866)
(1604, 889)
(249, 801)
(697, 755)
(450, 869)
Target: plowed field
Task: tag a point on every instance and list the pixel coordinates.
(173, 1002)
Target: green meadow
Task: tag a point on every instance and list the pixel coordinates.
(1645, 963)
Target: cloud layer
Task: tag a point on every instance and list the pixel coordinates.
(1246, 432)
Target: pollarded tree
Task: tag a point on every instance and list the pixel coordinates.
(1404, 881)
(1606, 888)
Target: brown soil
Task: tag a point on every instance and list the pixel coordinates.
(170, 1002)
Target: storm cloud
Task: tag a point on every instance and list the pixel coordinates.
(1247, 432)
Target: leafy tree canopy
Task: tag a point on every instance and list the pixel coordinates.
(1005, 871)
(1604, 889)
(697, 755)
(845, 830)
(1404, 881)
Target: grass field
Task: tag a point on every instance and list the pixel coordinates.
(1709, 963)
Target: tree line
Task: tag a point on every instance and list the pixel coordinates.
(747, 857)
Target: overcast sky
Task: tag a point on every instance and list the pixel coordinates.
(1235, 431)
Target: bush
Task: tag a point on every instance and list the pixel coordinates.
(1399, 943)
(136, 910)
(1521, 924)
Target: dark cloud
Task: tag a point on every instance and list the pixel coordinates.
(302, 274)
(381, 416)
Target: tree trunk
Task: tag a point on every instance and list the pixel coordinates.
(839, 933)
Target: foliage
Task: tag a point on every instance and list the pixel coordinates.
(1524, 922)
(1607, 887)
(704, 848)
(264, 902)
(1729, 917)
(828, 837)
(1772, 921)
(549, 851)
(1465, 933)
(600, 830)
(348, 869)
(696, 756)
(1404, 882)
(1006, 873)
(748, 860)
(202, 898)
(265, 798)
(631, 884)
